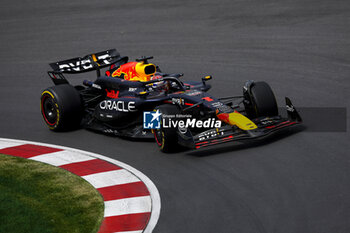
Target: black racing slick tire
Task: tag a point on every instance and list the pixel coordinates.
(61, 107)
(166, 138)
(262, 101)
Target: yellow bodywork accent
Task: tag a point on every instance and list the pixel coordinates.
(235, 118)
(134, 71)
(140, 69)
(95, 59)
(241, 121)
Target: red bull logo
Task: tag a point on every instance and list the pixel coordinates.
(135, 71)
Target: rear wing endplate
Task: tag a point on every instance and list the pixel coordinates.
(57, 77)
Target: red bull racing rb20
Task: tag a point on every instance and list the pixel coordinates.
(137, 100)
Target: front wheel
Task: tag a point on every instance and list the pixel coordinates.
(166, 138)
(260, 101)
(61, 107)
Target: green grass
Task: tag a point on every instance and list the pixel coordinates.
(36, 197)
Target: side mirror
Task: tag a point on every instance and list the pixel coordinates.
(206, 78)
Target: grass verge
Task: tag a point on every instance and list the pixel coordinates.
(37, 197)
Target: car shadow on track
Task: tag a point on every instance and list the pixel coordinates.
(243, 145)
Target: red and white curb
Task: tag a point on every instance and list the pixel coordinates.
(131, 200)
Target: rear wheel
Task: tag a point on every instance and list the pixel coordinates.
(166, 138)
(61, 107)
(260, 101)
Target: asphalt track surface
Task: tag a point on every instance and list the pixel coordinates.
(298, 183)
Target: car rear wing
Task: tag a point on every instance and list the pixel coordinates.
(90, 62)
(87, 63)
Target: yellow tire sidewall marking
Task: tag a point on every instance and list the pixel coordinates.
(57, 110)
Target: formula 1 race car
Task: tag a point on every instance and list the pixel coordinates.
(137, 100)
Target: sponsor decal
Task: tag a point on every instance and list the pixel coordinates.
(290, 108)
(84, 64)
(120, 106)
(112, 94)
(96, 86)
(178, 101)
(217, 104)
(156, 77)
(266, 121)
(132, 89)
(221, 107)
(111, 131)
(210, 134)
(128, 71)
(191, 93)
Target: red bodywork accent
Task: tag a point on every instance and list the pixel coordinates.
(189, 85)
(200, 143)
(207, 99)
(284, 123)
(214, 142)
(223, 117)
(155, 136)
